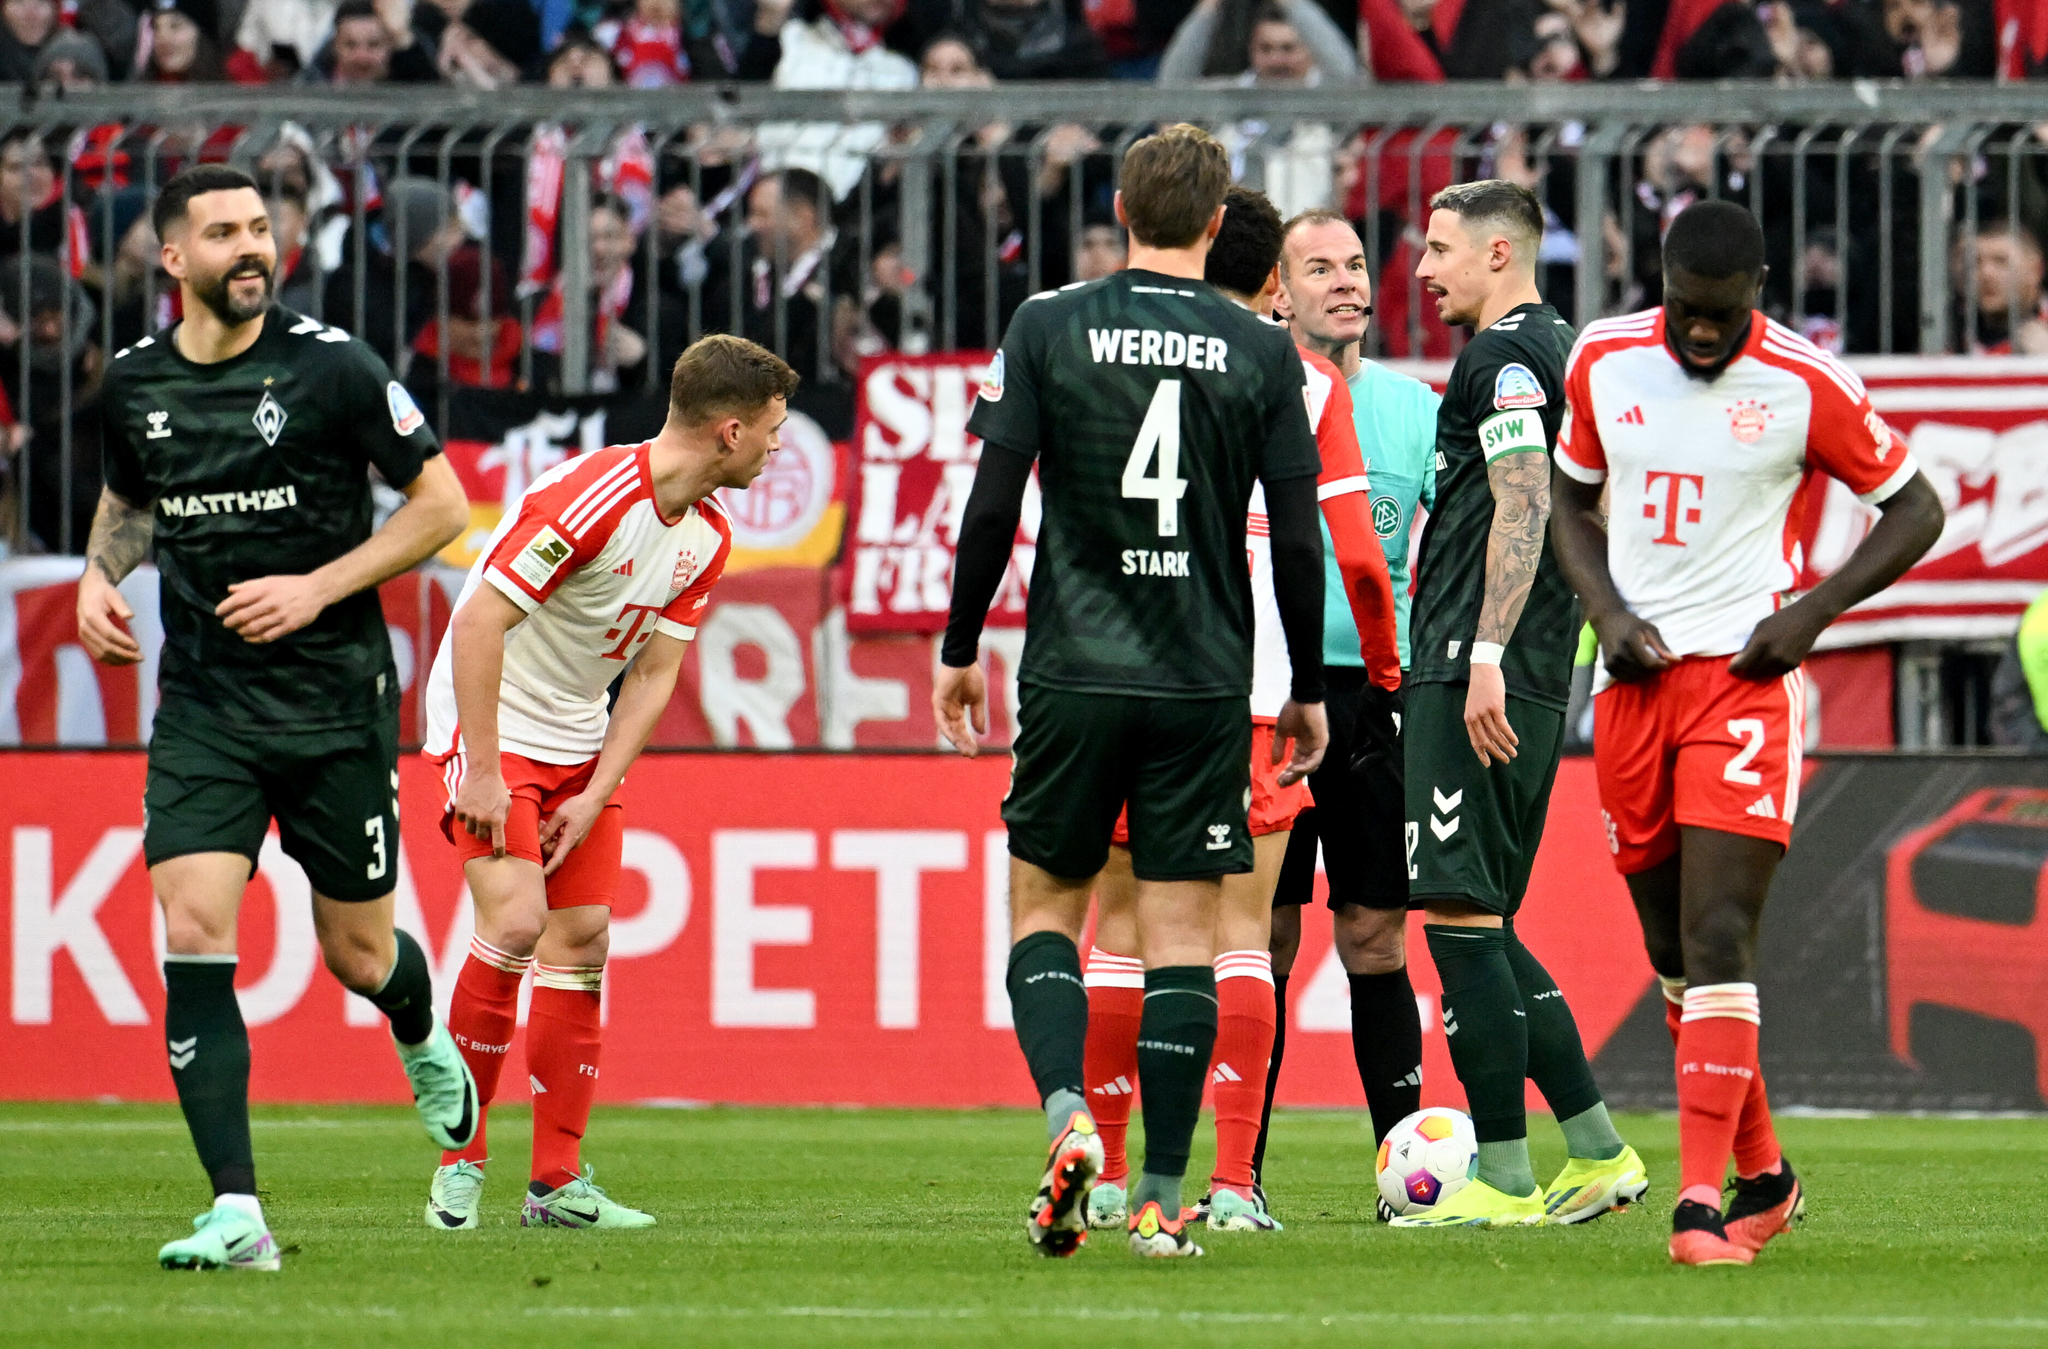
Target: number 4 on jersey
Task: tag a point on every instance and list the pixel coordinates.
(1160, 431)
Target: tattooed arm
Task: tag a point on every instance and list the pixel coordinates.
(1521, 512)
(120, 540)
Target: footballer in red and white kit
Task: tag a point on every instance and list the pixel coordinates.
(598, 576)
(1705, 425)
(1242, 264)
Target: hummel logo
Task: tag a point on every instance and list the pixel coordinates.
(1219, 838)
(1633, 417)
(1120, 1087)
(159, 428)
(626, 570)
(538, 1089)
(1224, 1073)
(1764, 808)
(184, 1051)
(1444, 828)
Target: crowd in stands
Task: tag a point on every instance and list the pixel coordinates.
(810, 237)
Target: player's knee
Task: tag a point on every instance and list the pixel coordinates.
(1371, 941)
(578, 936)
(1285, 942)
(197, 928)
(1717, 945)
(358, 960)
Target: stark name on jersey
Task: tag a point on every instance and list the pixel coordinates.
(598, 571)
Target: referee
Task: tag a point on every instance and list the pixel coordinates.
(240, 442)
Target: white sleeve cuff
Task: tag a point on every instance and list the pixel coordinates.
(1890, 486)
(1337, 487)
(511, 590)
(1576, 471)
(670, 628)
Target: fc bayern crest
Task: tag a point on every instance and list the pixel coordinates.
(1747, 419)
(686, 566)
(269, 419)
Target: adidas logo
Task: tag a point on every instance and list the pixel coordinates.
(1413, 1079)
(1120, 1087)
(1633, 417)
(1224, 1073)
(624, 570)
(1764, 808)
(538, 1089)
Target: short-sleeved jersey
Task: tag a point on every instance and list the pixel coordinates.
(1395, 417)
(1329, 411)
(259, 465)
(1707, 478)
(1152, 405)
(598, 571)
(1505, 396)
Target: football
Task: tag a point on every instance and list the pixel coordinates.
(1427, 1156)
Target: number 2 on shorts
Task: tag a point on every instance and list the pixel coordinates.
(1738, 769)
(1160, 431)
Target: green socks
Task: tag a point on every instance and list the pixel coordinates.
(1175, 1037)
(1557, 1059)
(1505, 1166)
(408, 993)
(1486, 1027)
(1049, 1005)
(209, 1049)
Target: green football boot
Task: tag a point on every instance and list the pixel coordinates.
(1478, 1205)
(224, 1237)
(1585, 1189)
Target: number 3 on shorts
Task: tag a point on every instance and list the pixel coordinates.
(373, 829)
(1160, 431)
(1750, 729)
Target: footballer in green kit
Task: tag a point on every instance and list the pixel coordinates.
(1493, 630)
(1151, 404)
(239, 444)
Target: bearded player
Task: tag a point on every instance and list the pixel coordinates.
(1494, 630)
(603, 570)
(1243, 264)
(1707, 424)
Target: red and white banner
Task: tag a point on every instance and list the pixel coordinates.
(791, 929)
(915, 463)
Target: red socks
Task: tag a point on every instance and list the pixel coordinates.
(1245, 1019)
(1756, 1141)
(1717, 1068)
(481, 1017)
(562, 1041)
(1116, 1003)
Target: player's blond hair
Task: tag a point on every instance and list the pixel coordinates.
(724, 376)
(1172, 182)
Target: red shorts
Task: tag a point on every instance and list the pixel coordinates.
(1698, 746)
(1272, 808)
(590, 874)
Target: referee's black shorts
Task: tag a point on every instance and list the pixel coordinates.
(1358, 821)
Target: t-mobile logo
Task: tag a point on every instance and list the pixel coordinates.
(1674, 508)
(631, 619)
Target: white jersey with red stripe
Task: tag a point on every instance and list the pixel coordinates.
(588, 557)
(1343, 471)
(1707, 478)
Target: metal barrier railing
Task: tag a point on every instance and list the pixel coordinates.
(570, 244)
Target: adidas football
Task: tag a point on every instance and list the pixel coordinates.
(1428, 1156)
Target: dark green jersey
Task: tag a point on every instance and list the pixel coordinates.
(1505, 396)
(1152, 405)
(260, 466)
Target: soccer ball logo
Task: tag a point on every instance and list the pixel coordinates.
(1427, 1157)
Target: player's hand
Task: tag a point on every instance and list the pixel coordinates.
(271, 607)
(1630, 648)
(101, 613)
(1378, 732)
(1486, 716)
(482, 805)
(1308, 726)
(567, 827)
(960, 702)
(1776, 646)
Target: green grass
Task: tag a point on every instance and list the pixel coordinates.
(786, 1227)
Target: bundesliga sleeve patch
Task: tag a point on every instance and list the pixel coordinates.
(1516, 386)
(539, 560)
(992, 382)
(406, 416)
(1511, 433)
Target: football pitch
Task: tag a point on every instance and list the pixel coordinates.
(816, 1227)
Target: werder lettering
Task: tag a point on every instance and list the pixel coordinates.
(1148, 346)
(1054, 974)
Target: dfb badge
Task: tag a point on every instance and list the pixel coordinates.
(269, 419)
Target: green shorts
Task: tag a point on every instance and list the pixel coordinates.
(334, 796)
(1473, 830)
(1183, 764)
